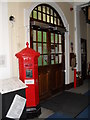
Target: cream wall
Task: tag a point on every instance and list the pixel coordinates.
(4, 42)
(17, 33)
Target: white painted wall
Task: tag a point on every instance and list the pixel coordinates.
(4, 42)
(77, 37)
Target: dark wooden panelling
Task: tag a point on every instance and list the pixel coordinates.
(69, 86)
(51, 80)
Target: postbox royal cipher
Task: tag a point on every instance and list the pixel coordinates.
(28, 73)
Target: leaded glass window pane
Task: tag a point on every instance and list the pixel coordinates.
(52, 48)
(54, 14)
(40, 48)
(39, 15)
(44, 37)
(44, 17)
(39, 8)
(45, 59)
(44, 9)
(40, 60)
(48, 18)
(56, 48)
(34, 35)
(52, 61)
(56, 59)
(51, 12)
(54, 20)
(60, 58)
(58, 22)
(44, 48)
(60, 48)
(52, 37)
(47, 10)
(34, 14)
(39, 36)
(51, 19)
(34, 46)
(56, 38)
(59, 38)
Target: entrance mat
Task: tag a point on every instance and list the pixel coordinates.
(87, 93)
(85, 113)
(67, 103)
(58, 115)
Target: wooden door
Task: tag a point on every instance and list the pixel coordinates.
(47, 37)
(83, 58)
(51, 61)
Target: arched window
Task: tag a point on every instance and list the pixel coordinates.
(47, 34)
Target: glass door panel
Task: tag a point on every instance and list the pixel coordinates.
(45, 59)
(39, 36)
(40, 48)
(44, 48)
(44, 37)
(50, 48)
(34, 35)
(40, 60)
(60, 58)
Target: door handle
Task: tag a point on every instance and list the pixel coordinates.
(63, 70)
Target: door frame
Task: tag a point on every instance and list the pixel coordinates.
(85, 55)
(27, 13)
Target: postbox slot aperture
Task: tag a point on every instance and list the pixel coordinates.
(29, 73)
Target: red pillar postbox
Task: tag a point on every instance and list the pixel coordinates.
(28, 73)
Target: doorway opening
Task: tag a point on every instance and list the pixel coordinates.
(47, 36)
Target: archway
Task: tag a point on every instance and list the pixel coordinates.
(60, 12)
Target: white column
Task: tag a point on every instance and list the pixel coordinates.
(77, 37)
(67, 65)
(4, 42)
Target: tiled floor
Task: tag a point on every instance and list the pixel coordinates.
(82, 89)
(45, 113)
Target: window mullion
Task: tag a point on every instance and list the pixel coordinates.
(58, 48)
(42, 47)
(54, 48)
(50, 16)
(36, 40)
(46, 12)
(41, 13)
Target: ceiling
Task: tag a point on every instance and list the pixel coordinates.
(80, 2)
